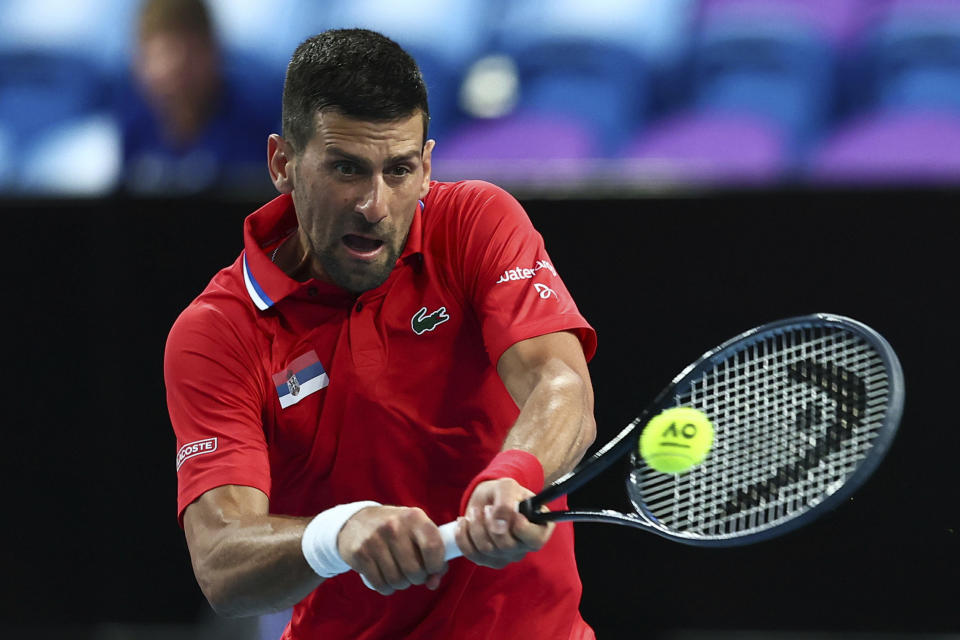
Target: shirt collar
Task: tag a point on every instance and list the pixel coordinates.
(415, 235)
(266, 227)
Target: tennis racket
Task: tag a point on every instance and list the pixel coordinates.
(803, 410)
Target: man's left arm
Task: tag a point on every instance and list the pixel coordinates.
(547, 377)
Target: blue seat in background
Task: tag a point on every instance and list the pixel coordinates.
(596, 62)
(79, 158)
(57, 62)
(766, 58)
(47, 102)
(520, 136)
(576, 63)
(702, 147)
(267, 31)
(99, 31)
(653, 30)
(839, 21)
(452, 31)
(516, 150)
(912, 56)
(259, 82)
(42, 89)
(601, 85)
(6, 160)
(899, 146)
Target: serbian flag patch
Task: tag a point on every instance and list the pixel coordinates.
(299, 379)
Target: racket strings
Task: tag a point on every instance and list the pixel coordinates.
(794, 412)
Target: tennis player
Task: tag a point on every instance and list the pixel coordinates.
(386, 354)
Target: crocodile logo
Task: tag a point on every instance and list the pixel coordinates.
(422, 322)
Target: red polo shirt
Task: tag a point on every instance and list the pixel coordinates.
(318, 397)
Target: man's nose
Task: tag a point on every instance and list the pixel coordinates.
(373, 204)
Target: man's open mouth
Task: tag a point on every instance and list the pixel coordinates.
(361, 244)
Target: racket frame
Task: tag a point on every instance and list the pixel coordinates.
(626, 441)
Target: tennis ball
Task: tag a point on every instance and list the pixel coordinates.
(676, 440)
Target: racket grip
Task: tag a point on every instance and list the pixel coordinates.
(450, 549)
(448, 531)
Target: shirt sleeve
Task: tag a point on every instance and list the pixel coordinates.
(513, 283)
(214, 399)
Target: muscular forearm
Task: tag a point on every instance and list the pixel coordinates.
(248, 562)
(254, 564)
(555, 425)
(556, 421)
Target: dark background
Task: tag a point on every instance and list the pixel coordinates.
(93, 286)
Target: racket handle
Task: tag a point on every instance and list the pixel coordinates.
(450, 549)
(448, 531)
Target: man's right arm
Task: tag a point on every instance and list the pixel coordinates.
(249, 562)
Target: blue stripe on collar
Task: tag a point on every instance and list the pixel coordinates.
(255, 291)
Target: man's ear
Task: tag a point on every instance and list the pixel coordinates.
(427, 167)
(280, 161)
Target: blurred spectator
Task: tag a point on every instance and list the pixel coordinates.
(191, 124)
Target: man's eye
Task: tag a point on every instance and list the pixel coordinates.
(345, 168)
(400, 171)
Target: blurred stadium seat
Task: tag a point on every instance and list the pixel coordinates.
(653, 30)
(57, 62)
(95, 30)
(269, 31)
(901, 147)
(43, 92)
(600, 84)
(904, 123)
(452, 31)
(520, 136)
(6, 159)
(575, 62)
(49, 167)
(913, 55)
(775, 59)
(45, 88)
(761, 69)
(712, 147)
(516, 150)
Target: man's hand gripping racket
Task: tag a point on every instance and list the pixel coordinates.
(803, 410)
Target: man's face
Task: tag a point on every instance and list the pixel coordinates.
(355, 186)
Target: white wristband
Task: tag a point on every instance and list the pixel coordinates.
(319, 542)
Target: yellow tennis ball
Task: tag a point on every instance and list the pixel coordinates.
(676, 440)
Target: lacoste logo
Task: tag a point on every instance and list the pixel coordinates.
(421, 322)
(197, 448)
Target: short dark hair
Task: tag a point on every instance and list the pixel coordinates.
(357, 72)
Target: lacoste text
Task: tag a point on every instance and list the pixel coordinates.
(197, 448)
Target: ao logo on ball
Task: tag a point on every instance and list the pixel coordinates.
(676, 440)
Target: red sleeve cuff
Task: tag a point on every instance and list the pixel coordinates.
(522, 466)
